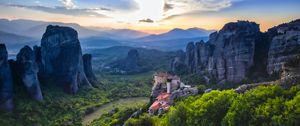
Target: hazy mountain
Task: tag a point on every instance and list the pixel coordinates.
(127, 33)
(98, 42)
(103, 37)
(170, 44)
(177, 34)
(82, 31)
(14, 41)
(35, 29)
(121, 33)
(17, 26)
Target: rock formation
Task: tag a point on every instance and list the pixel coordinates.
(27, 70)
(227, 55)
(6, 84)
(88, 70)
(197, 56)
(291, 71)
(240, 51)
(62, 58)
(285, 45)
(129, 65)
(177, 65)
(132, 59)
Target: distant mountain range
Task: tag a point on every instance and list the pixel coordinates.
(22, 31)
(14, 41)
(35, 29)
(178, 33)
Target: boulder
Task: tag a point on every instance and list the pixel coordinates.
(27, 69)
(88, 70)
(62, 58)
(6, 84)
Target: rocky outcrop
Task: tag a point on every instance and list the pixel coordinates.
(132, 60)
(234, 51)
(291, 71)
(177, 65)
(239, 51)
(191, 58)
(27, 70)
(62, 58)
(6, 84)
(88, 70)
(197, 56)
(129, 65)
(227, 55)
(285, 45)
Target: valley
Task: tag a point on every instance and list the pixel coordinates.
(107, 68)
(135, 102)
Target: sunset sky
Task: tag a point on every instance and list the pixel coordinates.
(153, 16)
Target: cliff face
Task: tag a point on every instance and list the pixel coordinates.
(177, 65)
(240, 51)
(59, 58)
(227, 55)
(88, 70)
(6, 84)
(285, 45)
(27, 69)
(62, 57)
(234, 51)
(291, 71)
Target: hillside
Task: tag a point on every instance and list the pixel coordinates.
(151, 58)
(14, 41)
(260, 106)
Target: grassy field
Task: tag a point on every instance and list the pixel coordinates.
(120, 104)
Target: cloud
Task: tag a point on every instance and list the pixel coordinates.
(174, 8)
(63, 10)
(147, 20)
(119, 5)
(68, 4)
(105, 9)
(168, 7)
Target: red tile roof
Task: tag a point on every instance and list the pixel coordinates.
(163, 96)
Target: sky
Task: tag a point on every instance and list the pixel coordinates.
(153, 16)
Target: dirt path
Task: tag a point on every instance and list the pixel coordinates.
(122, 103)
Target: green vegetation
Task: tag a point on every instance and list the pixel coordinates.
(61, 109)
(57, 108)
(121, 114)
(271, 105)
(150, 59)
(123, 86)
(116, 112)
